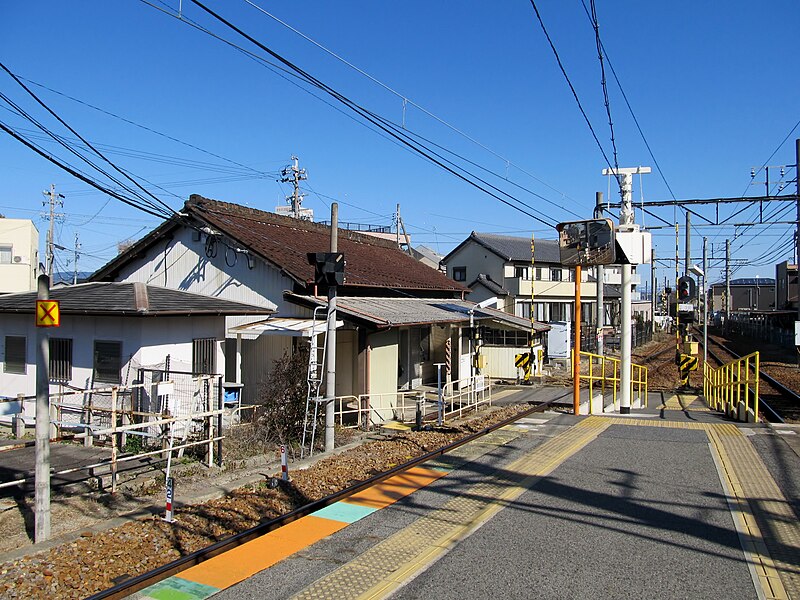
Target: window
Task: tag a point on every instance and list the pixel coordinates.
(107, 361)
(558, 311)
(460, 273)
(522, 273)
(504, 337)
(204, 356)
(5, 255)
(555, 274)
(15, 354)
(538, 273)
(60, 359)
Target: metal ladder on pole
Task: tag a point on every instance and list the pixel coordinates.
(316, 368)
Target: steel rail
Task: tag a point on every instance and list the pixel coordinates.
(763, 406)
(139, 582)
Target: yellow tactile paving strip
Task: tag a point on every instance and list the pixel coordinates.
(389, 564)
(684, 402)
(756, 492)
(753, 489)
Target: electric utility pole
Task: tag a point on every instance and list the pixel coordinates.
(688, 240)
(77, 254)
(294, 174)
(626, 226)
(53, 200)
(600, 277)
(797, 232)
(330, 342)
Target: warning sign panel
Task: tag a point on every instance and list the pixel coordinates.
(47, 313)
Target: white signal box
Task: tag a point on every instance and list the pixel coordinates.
(636, 245)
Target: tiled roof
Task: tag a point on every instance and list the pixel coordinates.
(490, 284)
(397, 312)
(106, 298)
(285, 242)
(519, 248)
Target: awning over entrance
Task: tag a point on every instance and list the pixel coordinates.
(281, 326)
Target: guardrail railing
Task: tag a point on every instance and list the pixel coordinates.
(733, 388)
(369, 410)
(604, 372)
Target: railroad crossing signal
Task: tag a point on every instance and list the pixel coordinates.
(686, 288)
(47, 313)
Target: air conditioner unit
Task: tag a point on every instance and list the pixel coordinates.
(19, 259)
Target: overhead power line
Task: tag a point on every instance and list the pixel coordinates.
(574, 93)
(596, 26)
(30, 92)
(405, 99)
(395, 132)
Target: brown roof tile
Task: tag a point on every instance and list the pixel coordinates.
(285, 241)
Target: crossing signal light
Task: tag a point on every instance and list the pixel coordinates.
(686, 288)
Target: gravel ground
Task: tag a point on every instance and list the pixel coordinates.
(98, 559)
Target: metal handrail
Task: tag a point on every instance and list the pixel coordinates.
(728, 387)
(599, 365)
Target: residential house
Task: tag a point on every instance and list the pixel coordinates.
(110, 330)
(19, 255)
(500, 266)
(230, 251)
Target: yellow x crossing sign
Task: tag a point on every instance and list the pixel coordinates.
(47, 313)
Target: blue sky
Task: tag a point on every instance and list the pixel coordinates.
(714, 87)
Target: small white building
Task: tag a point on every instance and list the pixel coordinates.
(108, 331)
(19, 255)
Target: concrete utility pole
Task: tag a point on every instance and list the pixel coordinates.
(330, 351)
(600, 273)
(42, 470)
(688, 239)
(626, 224)
(704, 292)
(53, 199)
(77, 254)
(797, 232)
(727, 284)
(652, 290)
(294, 174)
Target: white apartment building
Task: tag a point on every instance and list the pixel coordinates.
(19, 255)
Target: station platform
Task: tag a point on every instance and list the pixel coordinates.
(672, 501)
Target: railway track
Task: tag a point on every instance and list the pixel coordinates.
(137, 583)
(778, 402)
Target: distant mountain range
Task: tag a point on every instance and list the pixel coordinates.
(65, 277)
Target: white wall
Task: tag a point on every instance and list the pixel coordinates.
(23, 238)
(181, 263)
(478, 260)
(145, 342)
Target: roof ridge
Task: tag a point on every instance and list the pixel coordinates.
(201, 204)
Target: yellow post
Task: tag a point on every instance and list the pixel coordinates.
(755, 402)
